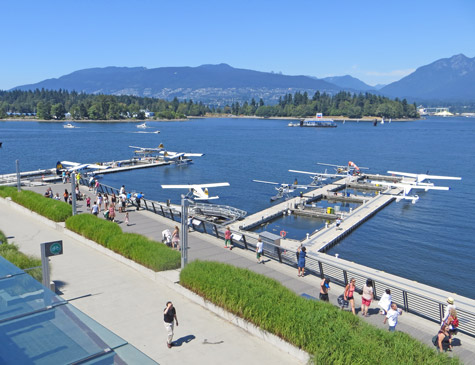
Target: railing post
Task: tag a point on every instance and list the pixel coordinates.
(216, 230)
(171, 213)
(146, 206)
(153, 206)
(406, 304)
(441, 312)
(345, 277)
(245, 242)
(163, 212)
(320, 267)
(279, 254)
(204, 227)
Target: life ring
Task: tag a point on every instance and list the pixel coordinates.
(283, 234)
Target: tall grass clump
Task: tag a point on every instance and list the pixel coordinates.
(330, 335)
(10, 252)
(55, 210)
(151, 254)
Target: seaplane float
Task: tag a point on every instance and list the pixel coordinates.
(283, 190)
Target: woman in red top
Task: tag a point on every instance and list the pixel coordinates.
(227, 239)
(349, 291)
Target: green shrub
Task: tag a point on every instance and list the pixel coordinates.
(146, 252)
(11, 253)
(332, 336)
(55, 210)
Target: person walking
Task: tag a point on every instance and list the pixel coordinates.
(301, 264)
(63, 177)
(349, 292)
(138, 199)
(176, 238)
(169, 314)
(324, 288)
(127, 219)
(91, 183)
(338, 222)
(96, 186)
(111, 212)
(450, 305)
(444, 342)
(259, 250)
(88, 202)
(452, 321)
(392, 317)
(65, 195)
(227, 238)
(99, 201)
(385, 302)
(95, 209)
(367, 297)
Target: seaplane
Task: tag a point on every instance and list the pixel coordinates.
(76, 166)
(351, 168)
(283, 190)
(317, 177)
(162, 153)
(198, 191)
(417, 183)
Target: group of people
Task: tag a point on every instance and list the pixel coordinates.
(448, 328)
(172, 239)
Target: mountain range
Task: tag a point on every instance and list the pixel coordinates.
(449, 79)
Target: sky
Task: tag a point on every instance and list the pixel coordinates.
(377, 42)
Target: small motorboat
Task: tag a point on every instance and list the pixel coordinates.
(69, 125)
(143, 125)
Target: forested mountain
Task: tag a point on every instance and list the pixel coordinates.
(212, 84)
(56, 104)
(348, 82)
(447, 80)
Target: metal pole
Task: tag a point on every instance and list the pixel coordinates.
(45, 266)
(18, 179)
(184, 231)
(73, 188)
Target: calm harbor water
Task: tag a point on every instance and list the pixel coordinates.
(431, 241)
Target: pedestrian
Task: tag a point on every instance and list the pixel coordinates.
(338, 222)
(122, 190)
(169, 314)
(127, 218)
(259, 250)
(385, 302)
(114, 199)
(63, 177)
(123, 200)
(88, 202)
(176, 238)
(452, 321)
(78, 178)
(227, 238)
(57, 197)
(450, 305)
(301, 265)
(106, 201)
(367, 297)
(91, 183)
(111, 212)
(65, 195)
(443, 341)
(190, 223)
(167, 237)
(99, 201)
(391, 317)
(95, 209)
(96, 186)
(349, 294)
(324, 288)
(138, 199)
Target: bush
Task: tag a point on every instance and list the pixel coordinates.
(11, 253)
(151, 254)
(55, 210)
(332, 336)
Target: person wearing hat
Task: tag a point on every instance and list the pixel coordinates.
(450, 305)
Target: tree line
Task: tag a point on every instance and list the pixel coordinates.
(54, 104)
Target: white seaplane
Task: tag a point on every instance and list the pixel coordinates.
(283, 190)
(318, 177)
(198, 191)
(417, 182)
(351, 168)
(162, 153)
(78, 167)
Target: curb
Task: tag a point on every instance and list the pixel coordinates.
(168, 281)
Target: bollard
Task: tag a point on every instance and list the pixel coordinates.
(336, 255)
(308, 235)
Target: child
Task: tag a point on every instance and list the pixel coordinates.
(127, 218)
(88, 202)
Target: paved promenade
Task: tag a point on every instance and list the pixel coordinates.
(113, 295)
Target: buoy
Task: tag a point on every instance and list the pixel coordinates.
(283, 234)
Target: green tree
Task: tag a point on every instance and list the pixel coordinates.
(43, 110)
(58, 111)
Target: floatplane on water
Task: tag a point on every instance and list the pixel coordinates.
(198, 191)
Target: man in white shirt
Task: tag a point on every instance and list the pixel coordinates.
(392, 316)
(259, 250)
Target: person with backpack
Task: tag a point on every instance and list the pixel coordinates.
(452, 321)
(442, 340)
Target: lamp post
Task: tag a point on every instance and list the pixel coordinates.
(73, 191)
(185, 203)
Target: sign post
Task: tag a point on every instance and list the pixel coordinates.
(49, 249)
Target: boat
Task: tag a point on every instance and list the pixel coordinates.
(69, 125)
(317, 122)
(143, 125)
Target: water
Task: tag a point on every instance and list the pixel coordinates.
(431, 241)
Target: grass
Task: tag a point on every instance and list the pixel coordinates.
(151, 254)
(11, 253)
(332, 336)
(55, 210)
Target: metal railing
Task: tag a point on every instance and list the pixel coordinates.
(410, 301)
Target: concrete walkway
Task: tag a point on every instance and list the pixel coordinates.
(206, 247)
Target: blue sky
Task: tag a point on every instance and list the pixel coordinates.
(375, 41)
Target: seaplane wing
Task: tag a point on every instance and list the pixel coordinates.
(422, 177)
(321, 174)
(97, 167)
(266, 182)
(195, 186)
(147, 149)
